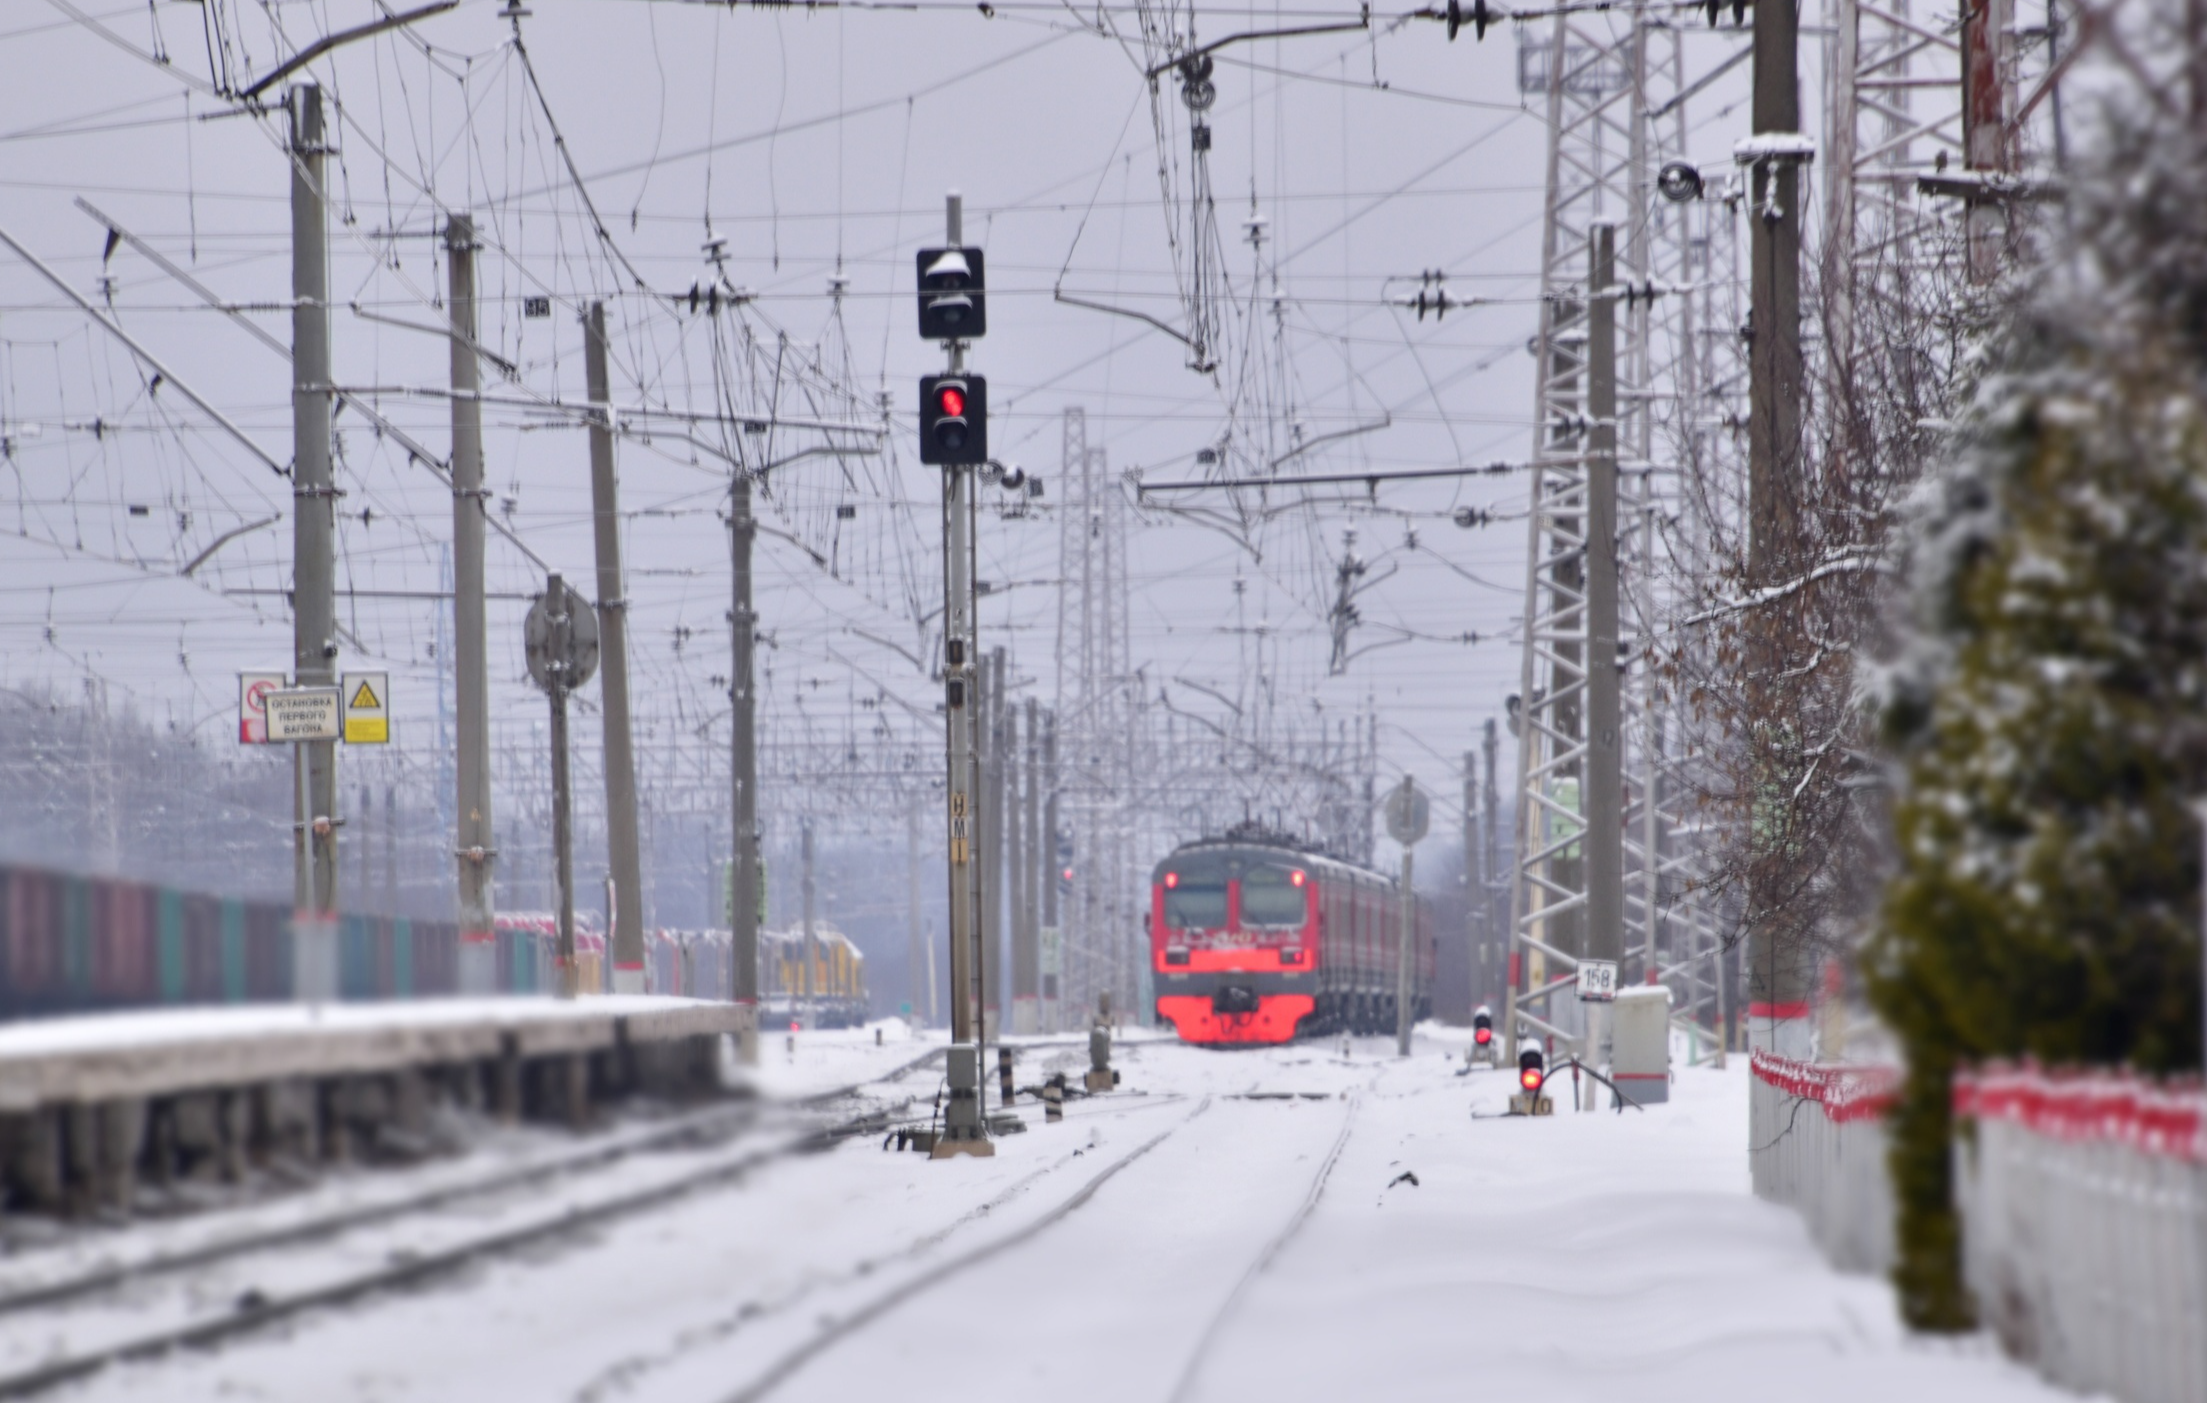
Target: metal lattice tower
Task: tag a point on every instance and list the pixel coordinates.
(1894, 108)
(1617, 90)
(1907, 95)
(1098, 724)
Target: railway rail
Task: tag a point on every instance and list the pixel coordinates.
(850, 1322)
(402, 1265)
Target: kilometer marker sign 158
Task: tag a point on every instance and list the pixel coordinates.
(1598, 981)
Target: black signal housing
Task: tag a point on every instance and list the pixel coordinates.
(1532, 1068)
(953, 302)
(954, 420)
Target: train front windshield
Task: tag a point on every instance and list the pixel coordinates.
(1195, 905)
(1272, 896)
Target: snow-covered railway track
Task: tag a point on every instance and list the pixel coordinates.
(402, 1264)
(1192, 1371)
(837, 1330)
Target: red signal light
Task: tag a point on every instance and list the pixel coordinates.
(952, 401)
(1067, 874)
(1295, 879)
(1172, 879)
(1531, 1078)
(1483, 1036)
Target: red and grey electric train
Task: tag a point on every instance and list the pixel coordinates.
(1255, 940)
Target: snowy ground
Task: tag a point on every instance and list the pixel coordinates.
(1196, 1235)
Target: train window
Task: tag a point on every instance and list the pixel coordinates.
(1270, 896)
(1196, 904)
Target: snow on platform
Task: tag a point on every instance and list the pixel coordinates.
(1183, 1238)
(102, 1056)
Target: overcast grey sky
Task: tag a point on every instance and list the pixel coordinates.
(818, 144)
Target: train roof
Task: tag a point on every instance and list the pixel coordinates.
(1253, 835)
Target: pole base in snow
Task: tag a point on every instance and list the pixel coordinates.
(478, 968)
(747, 1034)
(314, 976)
(964, 1130)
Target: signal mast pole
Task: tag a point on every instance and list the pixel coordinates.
(964, 1130)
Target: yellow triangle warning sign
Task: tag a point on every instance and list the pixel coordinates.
(364, 699)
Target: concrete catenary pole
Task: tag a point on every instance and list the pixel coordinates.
(743, 768)
(992, 837)
(1052, 941)
(476, 844)
(623, 855)
(1018, 742)
(1777, 985)
(920, 987)
(806, 989)
(1475, 947)
(1605, 774)
(1032, 865)
(1406, 903)
(1490, 799)
(390, 849)
(563, 827)
(314, 523)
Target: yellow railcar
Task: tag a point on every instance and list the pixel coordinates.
(835, 994)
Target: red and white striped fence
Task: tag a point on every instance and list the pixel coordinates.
(2084, 1206)
(2083, 1200)
(1817, 1142)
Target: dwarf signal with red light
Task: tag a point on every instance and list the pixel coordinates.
(954, 420)
(1532, 1067)
(1484, 1046)
(1532, 1074)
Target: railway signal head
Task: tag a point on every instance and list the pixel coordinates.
(953, 306)
(1482, 1026)
(954, 420)
(1532, 1068)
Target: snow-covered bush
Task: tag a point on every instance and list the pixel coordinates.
(2049, 700)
